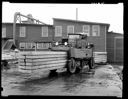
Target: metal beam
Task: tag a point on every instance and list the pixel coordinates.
(15, 20)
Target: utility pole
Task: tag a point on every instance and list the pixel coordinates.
(76, 14)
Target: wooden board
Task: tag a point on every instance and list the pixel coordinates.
(42, 52)
(42, 56)
(42, 60)
(42, 63)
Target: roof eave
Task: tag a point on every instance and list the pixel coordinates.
(81, 21)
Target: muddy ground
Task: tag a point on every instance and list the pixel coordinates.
(104, 81)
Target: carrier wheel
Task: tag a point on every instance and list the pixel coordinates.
(91, 63)
(71, 66)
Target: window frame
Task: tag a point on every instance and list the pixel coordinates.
(42, 32)
(22, 32)
(94, 30)
(38, 46)
(4, 32)
(32, 45)
(87, 31)
(68, 30)
(56, 33)
(24, 45)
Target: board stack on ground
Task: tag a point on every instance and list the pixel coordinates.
(42, 60)
(100, 57)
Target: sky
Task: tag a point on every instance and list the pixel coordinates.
(45, 12)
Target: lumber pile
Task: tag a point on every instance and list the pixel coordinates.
(100, 57)
(35, 61)
(41, 60)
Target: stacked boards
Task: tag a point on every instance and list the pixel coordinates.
(35, 61)
(38, 61)
(100, 57)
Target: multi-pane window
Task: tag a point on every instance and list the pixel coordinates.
(86, 29)
(95, 30)
(70, 29)
(25, 45)
(33, 45)
(22, 31)
(28, 46)
(3, 32)
(58, 31)
(39, 46)
(22, 45)
(44, 31)
(43, 45)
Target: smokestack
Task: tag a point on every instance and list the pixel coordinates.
(76, 14)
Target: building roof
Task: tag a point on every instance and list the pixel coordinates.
(28, 24)
(115, 33)
(81, 21)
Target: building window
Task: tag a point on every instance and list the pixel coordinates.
(33, 45)
(22, 31)
(44, 31)
(28, 46)
(70, 29)
(86, 29)
(39, 46)
(22, 45)
(3, 32)
(43, 45)
(95, 30)
(58, 31)
(46, 45)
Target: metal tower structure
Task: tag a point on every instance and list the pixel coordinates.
(17, 17)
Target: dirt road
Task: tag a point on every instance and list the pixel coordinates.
(103, 82)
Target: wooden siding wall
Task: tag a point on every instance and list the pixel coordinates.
(111, 51)
(98, 41)
(9, 30)
(33, 33)
(118, 55)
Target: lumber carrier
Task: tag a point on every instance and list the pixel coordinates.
(73, 54)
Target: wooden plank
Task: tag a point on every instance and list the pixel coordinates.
(42, 63)
(39, 71)
(42, 60)
(42, 66)
(42, 53)
(46, 56)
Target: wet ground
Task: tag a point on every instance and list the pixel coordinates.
(103, 82)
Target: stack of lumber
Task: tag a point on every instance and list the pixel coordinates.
(33, 61)
(100, 57)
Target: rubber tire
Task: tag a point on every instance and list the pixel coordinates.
(78, 70)
(71, 68)
(91, 63)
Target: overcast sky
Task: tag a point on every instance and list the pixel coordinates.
(104, 13)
